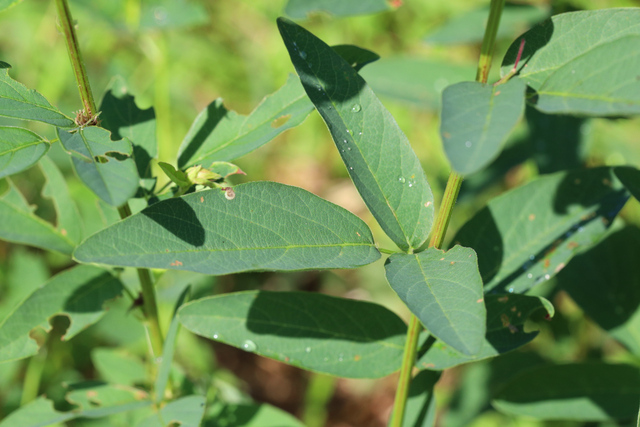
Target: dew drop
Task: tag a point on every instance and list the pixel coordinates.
(467, 144)
(530, 276)
(348, 131)
(350, 168)
(307, 350)
(249, 345)
(359, 133)
(510, 290)
(215, 336)
(349, 148)
(547, 277)
(345, 141)
(402, 179)
(532, 257)
(356, 108)
(411, 183)
(303, 54)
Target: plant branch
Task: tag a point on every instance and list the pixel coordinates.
(68, 29)
(442, 222)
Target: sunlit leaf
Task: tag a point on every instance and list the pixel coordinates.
(185, 411)
(78, 293)
(581, 392)
(337, 336)
(527, 235)
(377, 154)
(506, 316)
(258, 226)
(118, 367)
(299, 9)
(476, 120)
(18, 102)
(444, 290)
(19, 149)
(105, 166)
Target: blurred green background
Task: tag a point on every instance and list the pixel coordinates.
(178, 56)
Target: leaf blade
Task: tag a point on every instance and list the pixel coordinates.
(19, 149)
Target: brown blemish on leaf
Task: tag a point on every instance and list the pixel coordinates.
(452, 262)
(357, 357)
(532, 217)
(280, 121)
(513, 308)
(441, 259)
(63, 231)
(176, 264)
(573, 245)
(480, 300)
(576, 181)
(201, 199)
(446, 135)
(559, 267)
(503, 299)
(497, 93)
(428, 365)
(505, 320)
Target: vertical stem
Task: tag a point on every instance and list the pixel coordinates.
(149, 303)
(442, 222)
(66, 24)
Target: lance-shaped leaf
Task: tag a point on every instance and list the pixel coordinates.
(220, 134)
(529, 234)
(444, 290)
(256, 226)
(595, 74)
(605, 282)
(337, 336)
(78, 293)
(105, 166)
(55, 188)
(377, 154)
(186, 412)
(18, 102)
(416, 81)
(476, 120)
(506, 316)
(470, 26)
(299, 9)
(121, 116)
(19, 149)
(19, 224)
(581, 392)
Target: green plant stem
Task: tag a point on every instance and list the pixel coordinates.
(33, 376)
(149, 303)
(68, 29)
(442, 222)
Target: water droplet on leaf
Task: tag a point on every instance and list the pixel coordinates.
(303, 54)
(355, 108)
(467, 144)
(402, 179)
(308, 349)
(249, 345)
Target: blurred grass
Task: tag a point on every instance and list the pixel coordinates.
(236, 53)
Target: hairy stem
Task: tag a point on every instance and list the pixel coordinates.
(68, 29)
(442, 222)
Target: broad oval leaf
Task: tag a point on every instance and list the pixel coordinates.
(377, 154)
(527, 235)
(444, 290)
(595, 74)
(105, 166)
(19, 224)
(19, 149)
(18, 102)
(263, 226)
(336, 336)
(581, 392)
(476, 120)
(415, 81)
(120, 115)
(506, 316)
(78, 293)
(605, 283)
(470, 26)
(299, 9)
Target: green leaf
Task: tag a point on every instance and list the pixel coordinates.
(476, 120)
(176, 176)
(186, 412)
(527, 235)
(415, 81)
(595, 74)
(220, 134)
(96, 400)
(19, 149)
(421, 403)
(37, 413)
(581, 392)
(167, 14)
(25, 272)
(18, 102)
(164, 370)
(117, 367)
(336, 336)
(506, 316)
(78, 293)
(6, 4)
(249, 415)
(469, 27)
(19, 224)
(55, 188)
(630, 177)
(299, 9)
(120, 115)
(444, 290)
(605, 282)
(377, 154)
(105, 166)
(258, 226)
